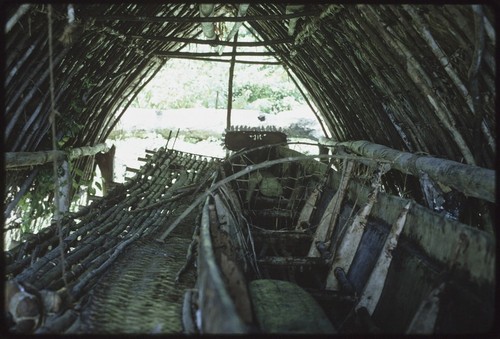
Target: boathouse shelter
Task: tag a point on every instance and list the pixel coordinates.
(413, 85)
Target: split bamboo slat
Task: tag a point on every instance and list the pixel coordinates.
(97, 236)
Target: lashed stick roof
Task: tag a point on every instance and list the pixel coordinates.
(415, 78)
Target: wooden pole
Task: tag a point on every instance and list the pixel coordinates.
(211, 54)
(212, 42)
(15, 18)
(471, 180)
(15, 160)
(230, 85)
(248, 62)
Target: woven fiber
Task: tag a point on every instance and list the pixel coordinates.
(139, 294)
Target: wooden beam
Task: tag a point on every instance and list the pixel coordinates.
(471, 180)
(21, 159)
(212, 42)
(198, 19)
(248, 62)
(210, 54)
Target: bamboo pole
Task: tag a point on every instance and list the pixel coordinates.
(471, 180)
(20, 159)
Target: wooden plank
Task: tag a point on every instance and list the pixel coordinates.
(435, 234)
(374, 286)
(329, 219)
(309, 206)
(349, 243)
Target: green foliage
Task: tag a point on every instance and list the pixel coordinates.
(192, 136)
(139, 133)
(195, 136)
(36, 206)
(117, 134)
(164, 132)
(120, 134)
(37, 202)
(184, 84)
(188, 84)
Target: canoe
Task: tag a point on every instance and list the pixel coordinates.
(290, 243)
(284, 243)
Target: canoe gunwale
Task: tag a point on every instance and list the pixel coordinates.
(218, 310)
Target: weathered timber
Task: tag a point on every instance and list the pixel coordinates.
(106, 163)
(425, 318)
(346, 246)
(227, 247)
(436, 234)
(373, 289)
(214, 302)
(188, 321)
(21, 159)
(471, 180)
(329, 219)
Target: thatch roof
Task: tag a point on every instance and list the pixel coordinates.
(418, 78)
